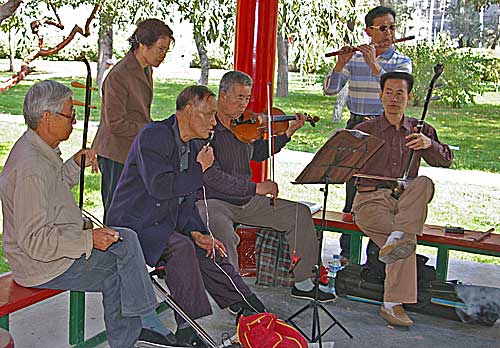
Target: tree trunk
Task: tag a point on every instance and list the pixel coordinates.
(282, 84)
(8, 8)
(105, 46)
(204, 61)
(339, 104)
(497, 35)
(12, 52)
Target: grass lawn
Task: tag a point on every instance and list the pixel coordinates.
(474, 129)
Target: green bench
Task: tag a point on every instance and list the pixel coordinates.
(471, 241)
(14, 297)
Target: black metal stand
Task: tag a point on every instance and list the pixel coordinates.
(315, 305)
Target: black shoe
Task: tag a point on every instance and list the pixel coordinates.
(189, 338)
(235, 308)
(152, 339)
(309, 295)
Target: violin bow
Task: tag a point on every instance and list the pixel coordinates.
(88, 96)
(438, 70)
(270, 142)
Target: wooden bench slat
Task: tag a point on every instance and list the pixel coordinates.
(14, 297)
(432, 233)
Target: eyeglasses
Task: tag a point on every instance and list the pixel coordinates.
(384, 27)
(72, 116)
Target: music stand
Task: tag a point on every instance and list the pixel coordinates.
(335, 163)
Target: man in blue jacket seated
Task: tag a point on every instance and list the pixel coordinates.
(155, 197)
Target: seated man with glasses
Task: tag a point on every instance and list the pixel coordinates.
(363, 69)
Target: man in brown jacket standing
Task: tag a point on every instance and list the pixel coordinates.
(127, 94)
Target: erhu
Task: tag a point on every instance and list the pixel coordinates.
(87, 220)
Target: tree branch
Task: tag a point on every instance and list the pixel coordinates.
(25, 70)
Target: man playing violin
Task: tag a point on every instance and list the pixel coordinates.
(363, 70)
(391, 221)
(231, 197)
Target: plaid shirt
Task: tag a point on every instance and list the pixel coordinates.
(364, 89)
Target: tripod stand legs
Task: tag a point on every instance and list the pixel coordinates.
(316, 333)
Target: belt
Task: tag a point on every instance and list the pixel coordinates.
(357, 117)
(375, 188)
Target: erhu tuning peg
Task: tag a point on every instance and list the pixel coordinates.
(436, 97)
(79, 103)
(439, 85)
(77, 84)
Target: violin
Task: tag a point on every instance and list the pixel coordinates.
(251, 126)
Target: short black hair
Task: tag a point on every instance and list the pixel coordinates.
(192, 94)
(378, 11)
(148, 32)
(397, 75)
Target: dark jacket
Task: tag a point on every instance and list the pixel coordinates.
(154, 197)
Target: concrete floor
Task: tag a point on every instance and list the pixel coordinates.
(45, 325)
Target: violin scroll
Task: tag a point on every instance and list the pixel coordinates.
(312, 120)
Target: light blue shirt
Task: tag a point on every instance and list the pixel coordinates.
(364, 87)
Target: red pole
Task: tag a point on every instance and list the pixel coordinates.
(255, 54)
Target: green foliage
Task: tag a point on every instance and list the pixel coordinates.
(463, 75)
(215, 62)
(314, 26)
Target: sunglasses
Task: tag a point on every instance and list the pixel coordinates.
(384, 27)
(72, 116)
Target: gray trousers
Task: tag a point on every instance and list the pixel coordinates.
(120, 274)
(292, 218)
(377, 214)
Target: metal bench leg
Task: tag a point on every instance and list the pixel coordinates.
(355, 249)
(442, 263)
(4, 322)
(76, 317)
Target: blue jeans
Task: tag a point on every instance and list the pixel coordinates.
(120, 274)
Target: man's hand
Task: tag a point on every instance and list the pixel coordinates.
(205, 157)
(418, 141)
(90, 159)
(208, 243)
(343, 59)
(299, 121)
(102, 238)
(267, 187)
(369, 55)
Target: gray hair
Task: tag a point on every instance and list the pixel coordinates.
(192, 94)
(232, 78)
(44, 96)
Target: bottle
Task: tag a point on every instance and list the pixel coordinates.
(334, 266)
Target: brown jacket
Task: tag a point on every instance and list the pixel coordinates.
(126, 104)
